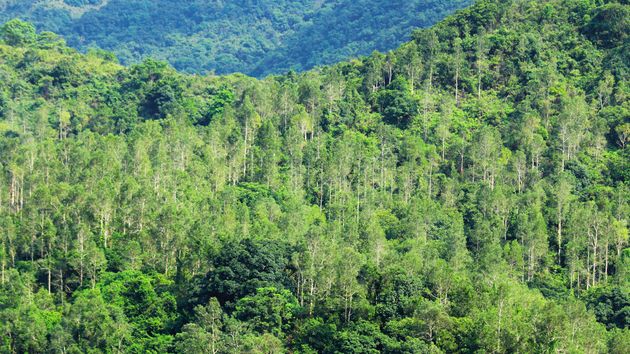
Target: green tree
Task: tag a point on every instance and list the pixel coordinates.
(270, 310)
(18, 33)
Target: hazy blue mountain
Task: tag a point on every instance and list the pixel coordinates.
(251, 36)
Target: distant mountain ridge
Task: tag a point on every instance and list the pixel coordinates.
(256, 37)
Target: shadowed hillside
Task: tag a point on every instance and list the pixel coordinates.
(255, 37)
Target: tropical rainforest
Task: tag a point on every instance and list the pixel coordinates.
(466, 192)
(253, 37)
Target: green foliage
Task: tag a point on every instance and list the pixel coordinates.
(465, 193)
(17, 33)
(242, 267)
(269, 310)
(93, 324)
(610, 25)
(148, 308)
(611, 306)
(396, 104)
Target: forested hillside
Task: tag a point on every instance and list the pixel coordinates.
(465, 193)
(253, 37)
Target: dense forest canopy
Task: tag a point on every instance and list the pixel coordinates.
(254, 37)
(464, 193)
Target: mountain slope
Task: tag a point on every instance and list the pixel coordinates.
(465, 193)
(254, 37)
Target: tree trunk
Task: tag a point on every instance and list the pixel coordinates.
(457, 86)
(595, 256)
(559, 235)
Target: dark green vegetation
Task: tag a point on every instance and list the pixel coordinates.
(253, 37)
(465, 193)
